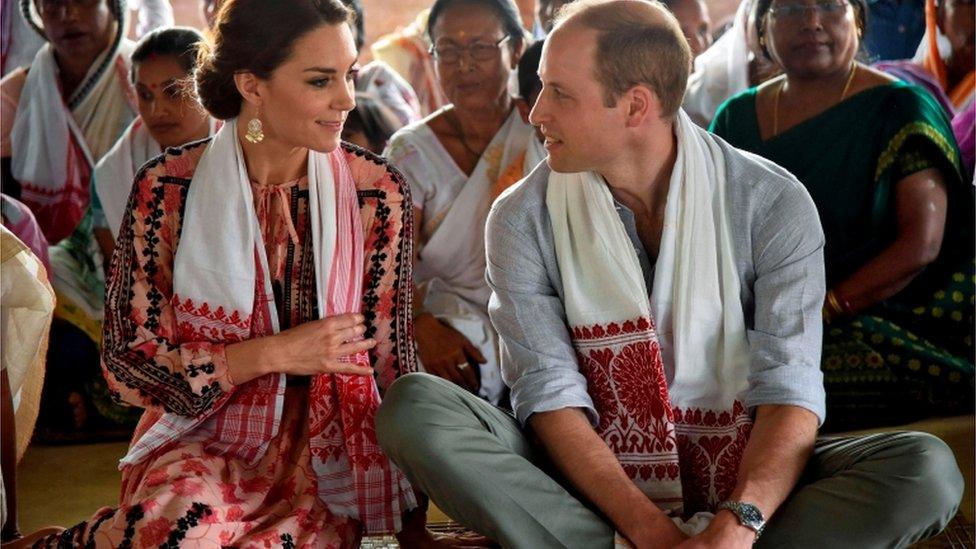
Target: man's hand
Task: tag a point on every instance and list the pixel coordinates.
(590, 466)
(724, 532)
(443, 349)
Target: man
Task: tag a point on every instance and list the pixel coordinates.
(658, 295)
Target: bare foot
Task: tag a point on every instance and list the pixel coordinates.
(31, 538)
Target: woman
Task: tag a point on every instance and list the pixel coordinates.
(26, 304)
(371, 124)
(944, 64)
(457, 161)
(256, 301)
(168, 117)
(879, 159)
(732, 64)
(66, 110)
(59, 116)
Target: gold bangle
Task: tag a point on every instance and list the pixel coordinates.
(833, 303)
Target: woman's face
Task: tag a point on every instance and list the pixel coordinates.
(957, 22)
(172, 117)
(472, 65)
(305, 101)
(80, 28)
(812, 39)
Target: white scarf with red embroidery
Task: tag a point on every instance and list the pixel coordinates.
(222, 293)
(55, 147)
(666, 374)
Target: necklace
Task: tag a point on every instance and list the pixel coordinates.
(779, 91)
(455, 123)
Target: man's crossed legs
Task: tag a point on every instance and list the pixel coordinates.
(479, 466)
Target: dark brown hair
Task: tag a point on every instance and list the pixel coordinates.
(254, 36)
(637, 42)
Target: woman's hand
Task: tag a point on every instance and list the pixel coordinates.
(312, 348)
(446, 353)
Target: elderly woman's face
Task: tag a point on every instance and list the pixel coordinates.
(77, 27)
(812, 38)
(172, 117)
(474, 57)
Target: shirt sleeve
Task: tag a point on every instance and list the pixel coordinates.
(538, 361)
(143, 360)
(787, 333)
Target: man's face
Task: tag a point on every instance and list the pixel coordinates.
(581, 132)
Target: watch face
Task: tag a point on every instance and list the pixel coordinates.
(750, 515)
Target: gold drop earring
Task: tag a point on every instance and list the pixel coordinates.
(255, 130)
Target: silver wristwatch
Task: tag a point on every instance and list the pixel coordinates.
(749, 515)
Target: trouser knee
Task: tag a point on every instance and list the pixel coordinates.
(397, 423)
(935, 475)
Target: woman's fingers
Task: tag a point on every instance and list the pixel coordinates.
(336, 367)
(353, 347)
(341, 322)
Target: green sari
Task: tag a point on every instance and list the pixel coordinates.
(910, 356)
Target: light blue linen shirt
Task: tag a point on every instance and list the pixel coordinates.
(778, 246)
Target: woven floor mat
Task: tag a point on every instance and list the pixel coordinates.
(959, 534)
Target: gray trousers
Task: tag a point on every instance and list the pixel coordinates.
(476, 463)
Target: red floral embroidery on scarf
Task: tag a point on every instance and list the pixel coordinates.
(710, 447)
(625, 377)
(654, 442)
(201, 323)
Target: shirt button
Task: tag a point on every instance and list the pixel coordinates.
(902, 29)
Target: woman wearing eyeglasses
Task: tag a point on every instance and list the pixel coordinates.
(457, 161)
(879, 159)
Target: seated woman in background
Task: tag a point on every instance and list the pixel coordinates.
(380, 80)
(692, 16)
(257, 302)
(733, 63)
(61, 114)
(944, 65)
(879, 160)
(169, 116)
(58, 117)
(371, 124)
(407, 51)
(529, 87)
(457, 161)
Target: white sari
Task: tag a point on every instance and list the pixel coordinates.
(720, 72)
(450, 271)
